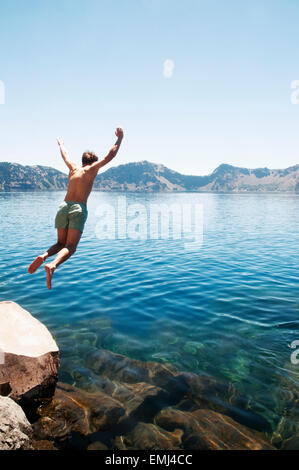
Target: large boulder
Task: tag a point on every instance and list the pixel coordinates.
(29, 359)
(15, 429)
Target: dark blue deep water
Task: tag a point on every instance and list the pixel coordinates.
(228, 308)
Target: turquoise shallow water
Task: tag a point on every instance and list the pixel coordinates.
(228, 308)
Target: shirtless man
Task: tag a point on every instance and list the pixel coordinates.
(72, 213)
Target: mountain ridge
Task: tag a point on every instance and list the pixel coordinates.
(146, 176)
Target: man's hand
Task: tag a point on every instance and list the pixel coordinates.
(119, 133)
(60, 143)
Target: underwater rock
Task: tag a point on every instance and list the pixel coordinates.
(15, 429)
(73, 415)
(43, 445)
(130, 404)
(30, 363)
(147, 436)
(205, 391)
(116, 366)
(97, 446)
(291, 444)
(209, 392)
(123, 369)
(207, 430)
(286, 434)
(143, 401)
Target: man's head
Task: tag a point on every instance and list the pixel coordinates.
(88, 158)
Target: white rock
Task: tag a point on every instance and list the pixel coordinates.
(23, 334)
(29, 360)
(15, 429)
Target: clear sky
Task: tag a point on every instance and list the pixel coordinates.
(77, 69)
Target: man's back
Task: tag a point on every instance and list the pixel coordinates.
(81, 181)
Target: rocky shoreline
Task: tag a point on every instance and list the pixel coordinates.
(137, 405)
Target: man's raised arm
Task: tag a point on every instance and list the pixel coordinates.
(112, 153)
(64, 153)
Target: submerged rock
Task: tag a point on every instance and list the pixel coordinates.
(208, 392)
(30, 363)
(146, 405)
(286, 433)
(143, 400)
(204, 391)
(208, 430)
(147, 436)
(72, 417)
(124, 369)
(15, 429)
(287, 430)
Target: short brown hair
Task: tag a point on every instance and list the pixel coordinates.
(88, 158)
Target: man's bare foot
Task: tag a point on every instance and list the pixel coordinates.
(50, 271)
(36, 264)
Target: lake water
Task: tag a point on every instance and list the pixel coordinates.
(228, 307)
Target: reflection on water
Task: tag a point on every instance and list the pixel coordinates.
(229, 309)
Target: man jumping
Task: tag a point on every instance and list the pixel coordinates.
(72, 213)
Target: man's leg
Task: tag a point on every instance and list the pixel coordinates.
(73, 238)
(61, 241)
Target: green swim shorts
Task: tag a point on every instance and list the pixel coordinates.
(71, 214)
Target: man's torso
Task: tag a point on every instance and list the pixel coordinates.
(80, 184)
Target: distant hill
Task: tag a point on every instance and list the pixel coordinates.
(146, 176)
(15, 177)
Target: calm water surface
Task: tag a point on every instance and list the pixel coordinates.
(229, 309)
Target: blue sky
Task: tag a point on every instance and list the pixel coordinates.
(77, 69)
